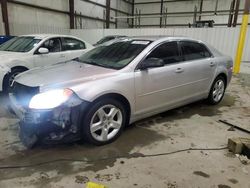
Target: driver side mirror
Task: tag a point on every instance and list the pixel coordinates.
(43, 50)
(151, 63)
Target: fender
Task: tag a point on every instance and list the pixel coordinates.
(225, 67)
(20, 63)
(90, 91)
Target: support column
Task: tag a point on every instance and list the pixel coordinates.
(133, 13)
(107, 14)
(236, 13)
(5, 16)
(230, 18)
(201, 7)
(242, 37)
(216, 7)
(71, 13)
(161, 11)
(195, 15)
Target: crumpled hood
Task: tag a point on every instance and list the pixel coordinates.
(62, 75)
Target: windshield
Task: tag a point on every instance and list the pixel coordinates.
(116, 55)
(20, 44)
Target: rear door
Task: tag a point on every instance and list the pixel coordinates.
(73, 48)
(199, 67)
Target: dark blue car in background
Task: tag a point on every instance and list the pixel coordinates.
(4, 38)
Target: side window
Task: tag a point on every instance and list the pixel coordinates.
(53, 45)
(73, 44)
(194, 50)
(168, 52)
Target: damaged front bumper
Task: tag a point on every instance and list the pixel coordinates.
(58, 125)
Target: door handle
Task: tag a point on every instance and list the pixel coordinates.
(62, 55)
(179, 70)
(212, 64)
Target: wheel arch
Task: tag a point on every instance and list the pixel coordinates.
(222, 74)
(120, 98)
(19, 67)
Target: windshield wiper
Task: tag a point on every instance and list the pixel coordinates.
(97, 64)
(89, 62)
(109, 66)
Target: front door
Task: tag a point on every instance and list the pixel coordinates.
(159, 87)
(55, 55)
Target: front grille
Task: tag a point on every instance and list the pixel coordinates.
(23, 94)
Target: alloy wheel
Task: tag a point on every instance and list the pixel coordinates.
(12, 77)
(106, 123)
(218, 90)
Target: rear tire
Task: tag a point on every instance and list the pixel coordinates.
(217, 91)
(104, 122)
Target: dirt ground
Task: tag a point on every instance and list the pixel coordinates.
(133, 160)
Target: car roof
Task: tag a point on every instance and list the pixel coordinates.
(155, 38)
(43, 36)
(115, 36)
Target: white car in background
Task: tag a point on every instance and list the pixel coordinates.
(29, 51)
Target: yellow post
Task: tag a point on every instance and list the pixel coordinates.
(242, 37)
(94, 185)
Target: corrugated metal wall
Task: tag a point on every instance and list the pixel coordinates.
(223, 38)
(25, 20)
(23, 29)
(188, 6)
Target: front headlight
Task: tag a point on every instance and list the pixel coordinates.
(50, 99)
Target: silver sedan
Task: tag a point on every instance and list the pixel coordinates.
(95, 96)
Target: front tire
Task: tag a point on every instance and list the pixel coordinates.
(104, 122)
(8, 79)
(217, 90)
